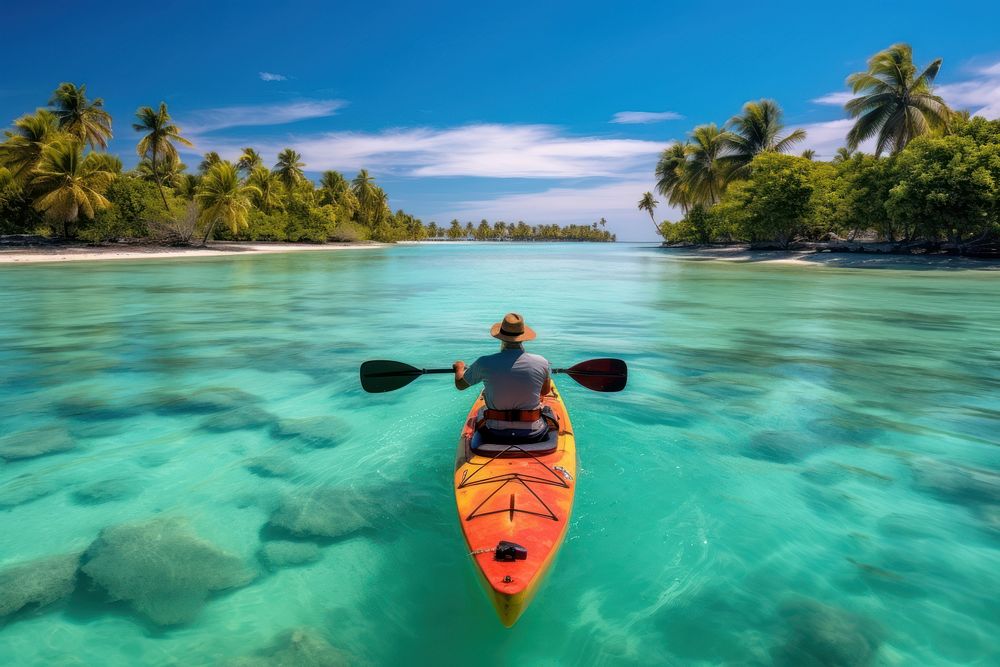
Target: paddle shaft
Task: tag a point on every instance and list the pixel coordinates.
(378, 376)
(432, 371)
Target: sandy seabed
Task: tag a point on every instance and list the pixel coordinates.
(33, 255)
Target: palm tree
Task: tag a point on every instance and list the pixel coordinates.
(755, 131)
(366, 192)
(186, 185)
(706, 172)
(895, 103)
(809, 154)
(159, 140)
(169, 170)
(222, 197)
(209, 160)
(333, 186)
(266, 195)
(66, 184)
(648, 204)
(23, 148)
(249, 160)
(843, 154)
(85, 120)
(111, 163)
(289, 168)
(671, 181)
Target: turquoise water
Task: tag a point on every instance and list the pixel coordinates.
(804, 468)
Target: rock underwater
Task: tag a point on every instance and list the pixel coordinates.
(301, 647)
(35, 442)
(820, 635)
(314, 432)
(283, 553)
(36, 584)
(162, 568)
(324, 513)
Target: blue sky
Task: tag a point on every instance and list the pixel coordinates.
(470, 110)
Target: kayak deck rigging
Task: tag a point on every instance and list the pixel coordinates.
(505, 478)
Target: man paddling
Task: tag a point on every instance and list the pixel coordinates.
(514, 382)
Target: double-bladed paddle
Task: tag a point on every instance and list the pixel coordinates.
(380, 376)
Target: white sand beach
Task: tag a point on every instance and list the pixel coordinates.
(38, 254)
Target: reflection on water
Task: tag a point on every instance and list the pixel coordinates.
(804, 469)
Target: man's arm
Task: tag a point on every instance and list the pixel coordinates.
(460, 383)
(547, 387)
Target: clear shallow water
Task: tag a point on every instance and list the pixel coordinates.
(805, 463)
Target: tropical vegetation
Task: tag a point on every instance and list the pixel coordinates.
(56, 179)
(933, 181)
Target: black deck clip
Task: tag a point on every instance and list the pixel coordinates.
(508, 552)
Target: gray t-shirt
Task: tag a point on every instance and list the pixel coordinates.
(512, 380)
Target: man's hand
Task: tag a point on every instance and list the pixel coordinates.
(459, 368)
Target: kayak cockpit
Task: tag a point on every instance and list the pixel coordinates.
(483, 445)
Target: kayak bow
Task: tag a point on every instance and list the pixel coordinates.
(520, 496)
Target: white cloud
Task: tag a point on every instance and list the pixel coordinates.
(992, 70)
(838, 99)
(633, 117)
(209, 120)
(270, 76)
(981, 96)
(484, 150)
(825, 138)
(616, 201)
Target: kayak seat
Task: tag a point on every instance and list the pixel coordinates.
(517, 442)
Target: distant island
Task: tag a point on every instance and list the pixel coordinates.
(931, 186)
(58, 184)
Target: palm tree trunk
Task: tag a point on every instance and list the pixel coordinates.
(208, 232)
(655, 226)
(159, 183)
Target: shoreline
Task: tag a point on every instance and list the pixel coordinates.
(816, 257)
(77, 253)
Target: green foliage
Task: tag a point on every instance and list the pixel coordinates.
(223, 198)
(648, 203)
(946, 187)
(21, 152)
(701, 224)
(49, 182)
(895, 104)
(79, 117)
(757, 130)
(67, 186)
(133, 202)
(863, 182)
(289, 168)
(17, 215)
(158, 141)
(777, 198)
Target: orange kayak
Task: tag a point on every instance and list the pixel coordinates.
(519, 494)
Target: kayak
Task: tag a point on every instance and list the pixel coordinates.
(514, 503)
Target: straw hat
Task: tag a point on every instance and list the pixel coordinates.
(512, 329)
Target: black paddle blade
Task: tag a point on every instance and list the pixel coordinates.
(380, 376)
(605, 375)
